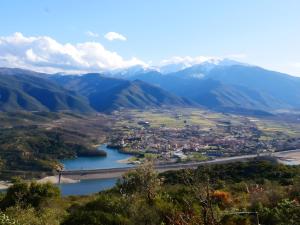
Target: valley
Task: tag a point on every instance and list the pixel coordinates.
(149, 112)
(183, 135)
(196, 115)
(34, 143)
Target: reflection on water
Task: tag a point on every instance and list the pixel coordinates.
(86, 187)
(110, 161)
(289, 162)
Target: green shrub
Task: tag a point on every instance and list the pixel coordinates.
(29, 194)
(5, 220)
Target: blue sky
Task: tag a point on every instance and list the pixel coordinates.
(260, 32)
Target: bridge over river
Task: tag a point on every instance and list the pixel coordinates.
(117, 172)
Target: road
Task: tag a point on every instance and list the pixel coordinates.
(117, 172)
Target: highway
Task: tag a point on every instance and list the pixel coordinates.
(117, 172)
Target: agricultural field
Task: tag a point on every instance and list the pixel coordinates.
(36, 141)
(184, 132)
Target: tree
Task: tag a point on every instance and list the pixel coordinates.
(29, 194)
(106, 209)
(133, 203)
(143, 180)
(5, 220)
(286, 212)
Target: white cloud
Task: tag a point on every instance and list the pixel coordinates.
(111, 36)
(92, 34)
(45, 54)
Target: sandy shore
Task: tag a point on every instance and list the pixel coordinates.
(54, 180)
(292, 157)
(4, 185)
(125, 161)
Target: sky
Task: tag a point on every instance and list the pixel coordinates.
(92, 35)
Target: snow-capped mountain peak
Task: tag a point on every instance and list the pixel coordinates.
(206, 63)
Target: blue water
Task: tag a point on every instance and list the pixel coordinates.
(110, 161)
(85, 187)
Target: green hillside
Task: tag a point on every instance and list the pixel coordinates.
(107, 94)
(23, 90)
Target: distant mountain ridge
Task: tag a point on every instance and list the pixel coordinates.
(225, 86)
(26, 90)
(107, 94)
(230, 86)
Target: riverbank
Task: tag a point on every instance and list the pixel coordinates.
(125, 150)
(114, 159)
(125, 161)
(289, 158)
(55, 180)
(4, 185)
(49, 179)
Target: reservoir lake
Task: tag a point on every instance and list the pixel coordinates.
(85, 187)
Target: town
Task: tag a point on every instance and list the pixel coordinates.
(184, 140)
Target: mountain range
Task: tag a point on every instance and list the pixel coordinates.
(222, 85)
(106, 94)
(229, 86)
(27, 90)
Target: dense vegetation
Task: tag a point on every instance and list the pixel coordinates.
(229, 194)
(30, 91)
(31, 144)
(33, 149)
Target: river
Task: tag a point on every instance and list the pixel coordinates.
(85, 187)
